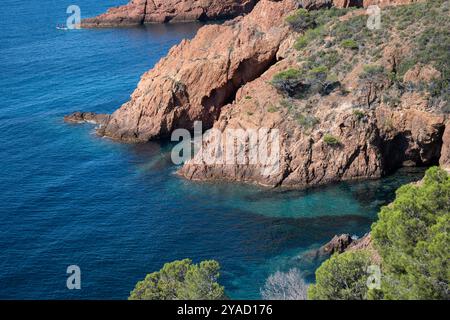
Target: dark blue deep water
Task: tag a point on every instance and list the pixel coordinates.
(118, 211)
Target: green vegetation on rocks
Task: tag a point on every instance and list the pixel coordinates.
(411, 238)
(423, 29)
(331, 140)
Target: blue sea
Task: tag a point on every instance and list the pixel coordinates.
(68, 197)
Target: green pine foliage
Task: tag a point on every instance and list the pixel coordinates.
(181, 280)
(342, 277)
(412, 236)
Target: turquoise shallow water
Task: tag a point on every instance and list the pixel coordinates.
(116, 210)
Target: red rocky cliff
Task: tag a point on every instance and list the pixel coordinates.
(160, 11)
(199, 76)
(223, 77)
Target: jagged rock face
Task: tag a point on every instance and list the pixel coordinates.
(139, 12)
(305, 158)
(199, 76)
(223, 78)
(368, 146)
(411, 137)
(445, 152)
(160, 11)
(337, 245)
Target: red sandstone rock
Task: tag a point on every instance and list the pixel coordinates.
(445, 152)
(138, 12)
(421, 74)
(222, 77)
(386, 139)
(199, 76)
(337, 245)
(160, 11)
(86, 117)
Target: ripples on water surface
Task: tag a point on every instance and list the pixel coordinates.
(116, 210)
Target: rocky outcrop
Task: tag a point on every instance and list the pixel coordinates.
(420, 73)
(341, 244)
(87, 117)
(365, 146)
(445, 152)
(199, 76)
(338, 136)
(337, 245)
(139, 12)
(345, 243)
(223, 77)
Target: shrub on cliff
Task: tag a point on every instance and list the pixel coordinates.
(307, 121)
(412, 237)
(372, 72)
(342, 277)
(311, 79)
(181, 280)
(349, 44)
(301, 20)
(312, 24)
(319, 80)
(331, 140)
(309, 36)
(287, 81)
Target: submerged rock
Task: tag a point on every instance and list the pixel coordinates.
(86, 117)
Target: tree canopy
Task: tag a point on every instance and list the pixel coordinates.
(342, 277)
(181, 280)
(412, 237)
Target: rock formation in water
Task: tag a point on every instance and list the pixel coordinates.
(200, 76)
(337, 245)
(349, 102)
(341, 244)
(371, 126)
(139, 12)
(86, 117)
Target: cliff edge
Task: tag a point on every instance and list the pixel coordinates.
(349, 102)
(138, 12)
